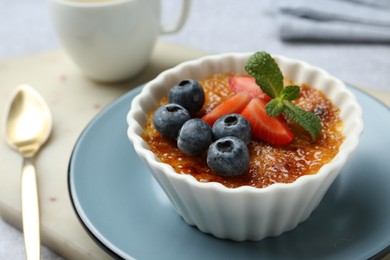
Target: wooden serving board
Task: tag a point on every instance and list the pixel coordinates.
(74, 101)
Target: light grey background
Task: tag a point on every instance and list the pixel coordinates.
(215, 26)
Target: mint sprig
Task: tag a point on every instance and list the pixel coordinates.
(268, 76)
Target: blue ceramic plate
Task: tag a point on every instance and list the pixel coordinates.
(127, 213)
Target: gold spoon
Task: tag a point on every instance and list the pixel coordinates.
(28, 125)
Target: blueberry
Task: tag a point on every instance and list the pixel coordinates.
(233, 125)
(194, 137)
(168, 119)
(189, 94)
(228, 156)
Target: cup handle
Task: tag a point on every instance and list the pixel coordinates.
(180, 21)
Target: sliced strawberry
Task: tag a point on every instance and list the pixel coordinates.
(247, 84)
(235, 104)
(270, 129)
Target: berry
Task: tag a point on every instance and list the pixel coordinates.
(232, 105)
(168, 119)
(271, 129)
(228, 156)
(232, 125)
(189, 94)
(247, 84)
(194, 137)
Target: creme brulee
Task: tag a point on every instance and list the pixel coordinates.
(268, 164)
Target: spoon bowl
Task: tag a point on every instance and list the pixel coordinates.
(27, 127)
(28, 122)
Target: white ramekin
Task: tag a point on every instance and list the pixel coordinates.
(244, 213)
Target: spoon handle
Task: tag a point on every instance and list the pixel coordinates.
(30, 210)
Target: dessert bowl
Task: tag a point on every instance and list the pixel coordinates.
(244, 213)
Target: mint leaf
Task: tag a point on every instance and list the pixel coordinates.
(290, 92)
(275, 107)
(307, 120)
(266, 71)
(268, 76)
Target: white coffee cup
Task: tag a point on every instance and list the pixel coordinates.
(111, 40)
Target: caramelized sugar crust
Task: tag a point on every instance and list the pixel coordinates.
(268, 164)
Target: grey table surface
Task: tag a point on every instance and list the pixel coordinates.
(215, 26)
